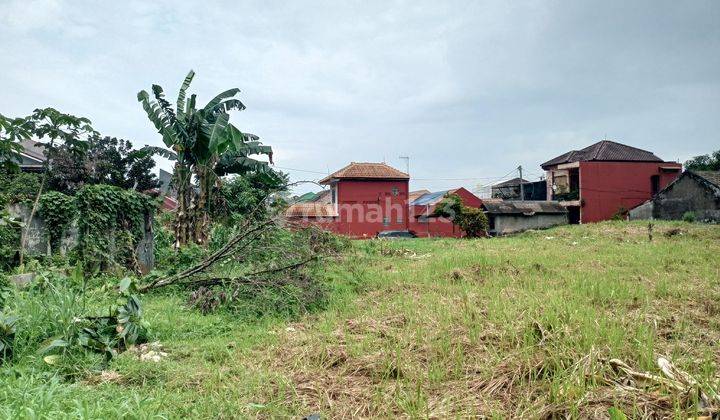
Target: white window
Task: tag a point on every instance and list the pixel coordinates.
(386, 221)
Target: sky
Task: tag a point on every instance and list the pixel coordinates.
(469, 90)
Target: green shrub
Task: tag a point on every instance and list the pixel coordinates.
(688, 216)
(9, 240)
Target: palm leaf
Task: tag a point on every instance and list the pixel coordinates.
(216, 134)
(155, 115)
(167, 154)
(216, 100)
(181, 95)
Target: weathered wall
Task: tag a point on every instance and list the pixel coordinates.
(687, 194)
(642, 212)
(513, 223)
(38, 240)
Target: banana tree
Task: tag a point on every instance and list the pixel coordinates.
(203, 143)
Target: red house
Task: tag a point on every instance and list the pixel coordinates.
(367, 198)
(606, 179)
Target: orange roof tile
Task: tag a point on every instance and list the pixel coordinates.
(365, 170)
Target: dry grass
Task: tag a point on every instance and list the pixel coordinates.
(515, 327)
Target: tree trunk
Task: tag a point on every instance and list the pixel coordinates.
(183, 215)
(24, 230)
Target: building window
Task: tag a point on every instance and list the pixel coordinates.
(333, 194)
(386, 221)
(399, 219)
(395, 191)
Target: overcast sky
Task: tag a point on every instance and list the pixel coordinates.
(469, 90)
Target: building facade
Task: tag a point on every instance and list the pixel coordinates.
(606, 179)
(366, 198)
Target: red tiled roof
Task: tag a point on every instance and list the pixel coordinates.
(605, 150)
(366, 170)
(310, 210)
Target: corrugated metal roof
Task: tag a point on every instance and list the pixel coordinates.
(523, 207)
(365, 170)
(512, 182)
(605, 150)
(430, 198)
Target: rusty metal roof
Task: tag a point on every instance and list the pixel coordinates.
(527, 208)
(605, 150)
(311, 210)
(366, 170)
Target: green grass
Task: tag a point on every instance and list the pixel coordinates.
(519, 326)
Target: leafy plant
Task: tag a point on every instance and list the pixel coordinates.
(203, 143)
(471, 220)
(7, 336)
(58, 212)
(689, 217)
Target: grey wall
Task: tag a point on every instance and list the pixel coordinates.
(38, 241)
(642, 212)
(513, 223)
(684, 195)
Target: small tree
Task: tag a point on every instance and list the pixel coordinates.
(203, 143)
(54, 129)
(470, 219)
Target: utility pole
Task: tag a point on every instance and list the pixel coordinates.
(522, 189)
(407, 163)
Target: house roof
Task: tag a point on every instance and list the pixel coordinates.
(511, 182)
(366, 170)
(605, 150)
(431, 198)
(413, 195)
(311, 210)
(323, 197)
(33, 149)
(712, 177)
(306, 198)
(527, 208)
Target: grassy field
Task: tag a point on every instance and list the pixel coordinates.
(522, 326)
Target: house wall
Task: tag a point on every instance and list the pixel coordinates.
(513, 223)
(440, 226)
(364, 205)
(687, 194)
(606, 187)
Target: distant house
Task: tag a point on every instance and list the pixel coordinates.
(422, 209)
(505, 217)
(365, 198)
(694, 191)
(33, 156)
(605, 179)
(510, 190)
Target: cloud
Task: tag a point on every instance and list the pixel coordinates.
(467, 89)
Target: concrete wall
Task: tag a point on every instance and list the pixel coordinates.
(513, 223)
(38, 240)
(687, 194)
(642, 212)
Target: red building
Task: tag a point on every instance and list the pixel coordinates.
(367, 198)
(605, 179)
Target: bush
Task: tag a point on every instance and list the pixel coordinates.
(688, 216)
(9, 240)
